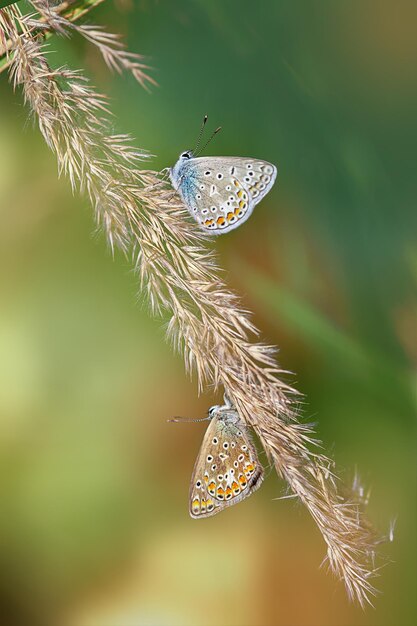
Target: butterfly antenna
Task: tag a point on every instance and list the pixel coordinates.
(188, 420)
(200, 134)
(207, 142)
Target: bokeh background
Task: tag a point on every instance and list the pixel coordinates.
(94, 481)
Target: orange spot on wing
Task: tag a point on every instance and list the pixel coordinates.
(249, 469)
(242, 480)
(220, 493)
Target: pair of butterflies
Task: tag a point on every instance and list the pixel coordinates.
(227, 468)
(221, 192)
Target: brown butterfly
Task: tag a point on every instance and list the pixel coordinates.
(227, 468)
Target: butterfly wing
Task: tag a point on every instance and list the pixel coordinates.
(227, 468)
(221, 192)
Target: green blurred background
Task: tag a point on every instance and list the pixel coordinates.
(94, 528)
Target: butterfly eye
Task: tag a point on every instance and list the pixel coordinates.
(186, 155)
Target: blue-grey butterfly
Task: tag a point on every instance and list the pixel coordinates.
(221, 192)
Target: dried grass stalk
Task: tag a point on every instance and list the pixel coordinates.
(181, 278)
(112, 49)
(72, 10)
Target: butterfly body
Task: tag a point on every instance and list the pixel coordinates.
(221, 192)
(227, 469)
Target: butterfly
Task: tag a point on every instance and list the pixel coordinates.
(227, 468)
(221, 192)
